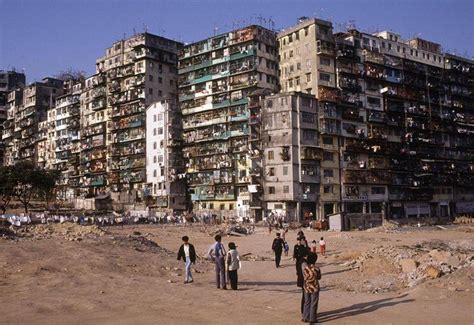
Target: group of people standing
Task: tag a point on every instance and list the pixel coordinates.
(227, 263)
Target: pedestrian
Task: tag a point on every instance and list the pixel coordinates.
(322, 246)
(277, 247)
(313, 247)
(188, 254)
(299, 254)
(269, 228)
(312, 275)
(218, 253)
(233, 265)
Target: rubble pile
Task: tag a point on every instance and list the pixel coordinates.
(68, 231)
(7, 233)
(229, 229)
(410, 266)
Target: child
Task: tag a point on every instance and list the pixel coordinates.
(322, 246)
(313, 247)
(233, 265)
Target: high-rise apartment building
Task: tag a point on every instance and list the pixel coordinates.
(407, 150)
(216, 76)
(395, 119)
(64, 123)
(131, 75)
(292, 155)
(307, 64)
(9, 80)
(166, 180)
(26, 124)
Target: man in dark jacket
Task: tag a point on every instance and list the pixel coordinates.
(277, 247)
(188, 254)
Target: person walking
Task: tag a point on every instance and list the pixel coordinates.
(299, 253)
(322, 246)
(277, 247)
(218, 253)
(313, 247)
(233, 265)
(188, 254)
(312, 275)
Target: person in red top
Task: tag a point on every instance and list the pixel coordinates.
(322, 246)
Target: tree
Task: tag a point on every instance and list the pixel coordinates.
(45, 184)
(7, 185)
(71, 73)
(24, 176)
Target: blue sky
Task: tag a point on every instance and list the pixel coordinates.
(47, 36)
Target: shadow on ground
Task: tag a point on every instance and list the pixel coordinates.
(361, 308)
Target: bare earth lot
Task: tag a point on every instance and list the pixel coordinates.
(71, 274)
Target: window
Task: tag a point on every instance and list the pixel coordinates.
(298, 66)
(285, 170)
(270, 155)
(378, 190)
(324, 61)
(271, 171)
(328, 173)
(286, 189)
(308, 77)
(328, 141)
(328, 189)
(373, 101)
(150, 77)
(154, 173)
(160, 130)
(309, 135)
(154, 159)
(154, 145)
(328, 156)
(290, 83)
(154, 131)
(162, 171)
(324, 76)
(389, 46)
(160, 80)
(308, 117)
(160, 116)
(160, 158)
(271, 190)
(222, 206)
(150, 91)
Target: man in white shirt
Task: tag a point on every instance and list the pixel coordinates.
(188, 254)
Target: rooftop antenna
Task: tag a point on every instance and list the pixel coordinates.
(134, 31)
(145, 28)
(260, 19)
(271, 24)
(351, 24)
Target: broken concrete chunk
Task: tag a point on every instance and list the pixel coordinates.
(408, 265)
(433, 272)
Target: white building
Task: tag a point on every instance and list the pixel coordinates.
(165, 177)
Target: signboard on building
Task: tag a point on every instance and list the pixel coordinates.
(417, 208)
(465, 207)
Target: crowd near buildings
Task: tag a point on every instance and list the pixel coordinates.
(303, 123)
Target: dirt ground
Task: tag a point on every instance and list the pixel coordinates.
(62, 274)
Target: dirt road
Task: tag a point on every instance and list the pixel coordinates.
(122, 277)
